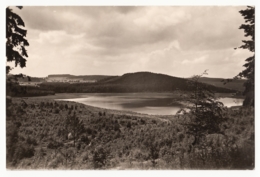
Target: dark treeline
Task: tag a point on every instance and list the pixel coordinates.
(132, 82)
(117, 88)
(27, 91)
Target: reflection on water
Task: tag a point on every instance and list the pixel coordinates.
(231, 101)
(156, 104)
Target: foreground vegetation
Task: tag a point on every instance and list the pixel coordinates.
(48, 134)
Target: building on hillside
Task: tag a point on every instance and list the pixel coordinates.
(32, 84)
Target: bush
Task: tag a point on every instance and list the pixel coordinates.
(11, 140)
(23, 151)
(128, 125)
(84, 139)
(54, 145)
(100, 157)
(116, 127)
(89, 130)
(143, 121)
(180, 136)
(61, 106)
(31, 141)
(56, 111)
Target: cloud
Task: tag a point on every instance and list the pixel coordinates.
(177, 40)
(201, 59)
(211, 28)
(156, 18)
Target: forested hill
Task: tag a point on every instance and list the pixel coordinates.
(236, 84)
(127, 83)
(147, 81)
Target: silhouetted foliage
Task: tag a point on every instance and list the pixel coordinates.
(205, 110)
(54, 145)
(15, 49)
(249, 72)
(100, 157)
(75, 126)
(16, 42)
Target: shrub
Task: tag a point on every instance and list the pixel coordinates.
(31, 141)
(56, 111)
(11, 140)
(54, 145)
(143, 121)
(180, 136)
(116, 127)
(84, 139)
(128, 125)
(42, 104)
(89, 130)
(61, 106)
(100, 157)
(23, 151)
(74, 125)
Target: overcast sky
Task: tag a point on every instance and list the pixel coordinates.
(178, 41)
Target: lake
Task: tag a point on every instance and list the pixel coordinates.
(147, 103)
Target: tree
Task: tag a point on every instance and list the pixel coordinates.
(203, 109)
(100, 157)
(15, 48)
(249, 72)
(15, 39)
(74, 125)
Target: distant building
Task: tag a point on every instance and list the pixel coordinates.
(32, 84)
(67, 79)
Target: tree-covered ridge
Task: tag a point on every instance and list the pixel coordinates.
(237, 84)
(131, 82)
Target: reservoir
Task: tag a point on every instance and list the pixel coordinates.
(146, 103)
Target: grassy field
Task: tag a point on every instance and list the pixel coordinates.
(38, 138)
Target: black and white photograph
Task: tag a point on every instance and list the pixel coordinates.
(132, 87)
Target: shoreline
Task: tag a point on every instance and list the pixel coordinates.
(76, 95)
(141, 98)
(99, 109)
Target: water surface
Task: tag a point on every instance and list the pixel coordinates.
(147, 103)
